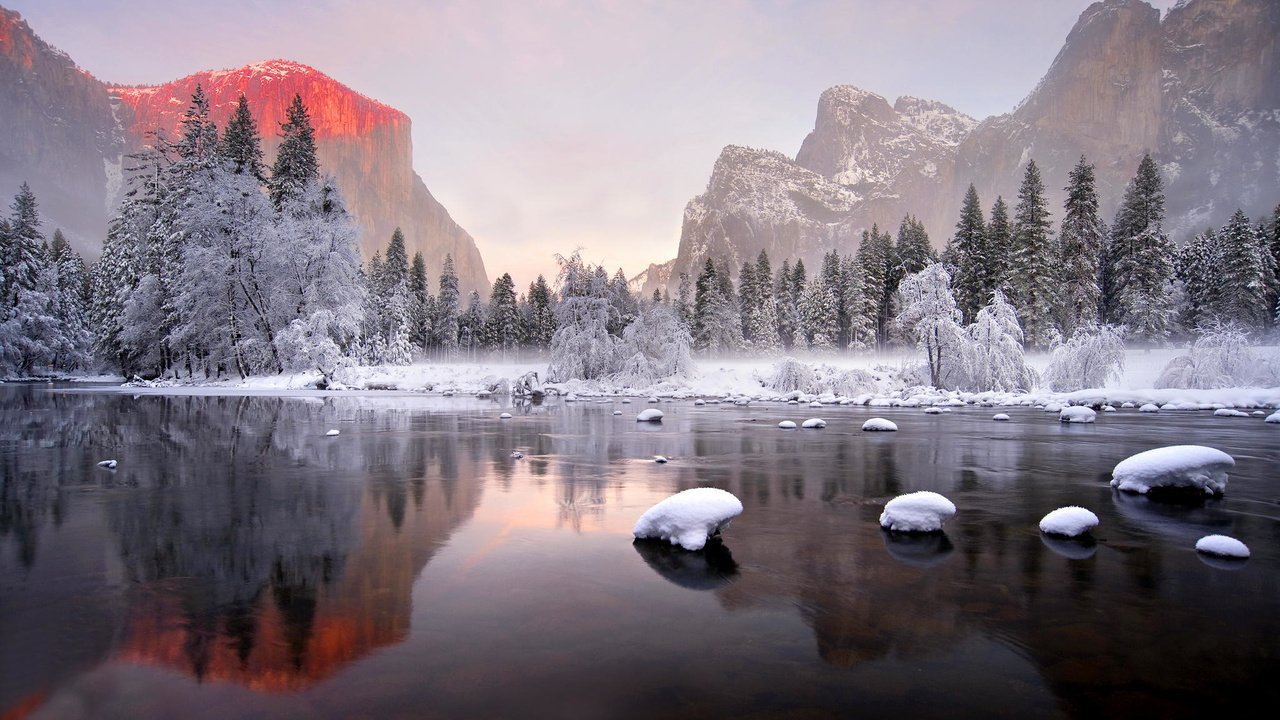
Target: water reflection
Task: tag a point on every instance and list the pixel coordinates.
(708, 569)
(1071, 548)
(918, 549)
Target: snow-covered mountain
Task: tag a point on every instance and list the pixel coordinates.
(69, 135)
(1200, 89)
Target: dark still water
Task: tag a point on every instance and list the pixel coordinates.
(238, 563)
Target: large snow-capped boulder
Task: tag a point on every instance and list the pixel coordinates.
(1077, 414)
(651, 415)
(879, 425)
(1068, 521)
(689, 518)
(922, 511)
(1149, 408)
(1222, 546)
(1176, 466)
(1000, 417)
(1273, 418)
(814, 424)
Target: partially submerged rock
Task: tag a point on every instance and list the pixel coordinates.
(1184, 467)
(1077, 414)
(922, 511)
(879, 425)
(689, 518)
(651, 415)
(1070, 521)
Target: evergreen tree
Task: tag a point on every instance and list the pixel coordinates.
(199, 135)
(1140, 259)
(684, 302)
(1272, 239)
(1035, 258)
(623, 307)
(20, 251)
(819, 314)
(447, 309)
(396, 265)
(706, 290)
(799, 281)
(1081, 239)
(999, 246)
(880, 269)
(913, 250)
(71, 306)
(971, 257)
(241, 144)
(502, 326)
(861, 330)
(542, 321)
(788, 313)
(471, 324)
(748, 301)
(1239, 295)
(1196, 269)
(764, 319)
(296, 164)
(419, 301)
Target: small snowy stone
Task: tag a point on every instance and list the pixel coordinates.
(1228, 412)
(787, 425)
(699, 401)
(108, 464)
(660, 459)
(1257, 413)
(1126, 405)
(1053, 407)
(652, 399)
(1069, 521)
(505, 416)
(1273, 418)
(879, 425)
(813, 424)
(1222, 546)
(1108, 408)
(1000, 417)
(1077, 414)
(617, 412)
(815, 404)
(1176, 466)
(922, 511)
(933, 411)
(516, 455)
(626, 401)
(653, 415)
(1149, 408)
(689, 518)
(793, 402)
(332, 433)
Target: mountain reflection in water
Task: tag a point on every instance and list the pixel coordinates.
(239, 562)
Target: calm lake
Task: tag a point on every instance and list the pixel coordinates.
(239, 563)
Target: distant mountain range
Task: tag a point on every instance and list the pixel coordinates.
(1199, 89)
(69, 134)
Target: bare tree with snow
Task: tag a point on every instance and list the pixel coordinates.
(1092, 355)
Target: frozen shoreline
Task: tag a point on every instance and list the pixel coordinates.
(722, 379)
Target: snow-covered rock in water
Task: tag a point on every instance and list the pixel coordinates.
(1068, 521)
(699, 401)
(1222, 546)
(1000, 417)
(332, 433)
(571, 398)
(793, 402)
(652, 399)
(689, 518)
(813, 424)
(1176, 466)
(504, 416)
(815, 404)
(1273, 418)
(787, 425)
(516, 455)
(660, 459)
(108, 464)
(933, 411)
(1127, 405)
(1149, 407)
(617, 412)
(649, 415)
(1228, 412)
(879, 425)
(1053, 407)
(1108, 408)
(742, 401)
(1077, 414)
(626, 401)
(1257, 413)
(922, 511)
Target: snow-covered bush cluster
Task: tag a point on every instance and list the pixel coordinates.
(1221, 357)
(1093, 355)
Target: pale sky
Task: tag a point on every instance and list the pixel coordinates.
(547, 125)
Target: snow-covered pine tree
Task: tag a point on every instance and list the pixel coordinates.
(29, 327)
(861, 331)
(799, 280)
(1239, 293)
(654, 347)
(788, 313)
(764, 319)
(819, 314)
(1274, 245)
(241, 144)
(748, 301)
(471, 325)
(833, 279)
(999, 246)
(502, 326)
(581, 347)
(72, 305)
(121, 267)
(1196, 267)
(1034, 261)
(199, 142)
(542, 322)
(1140, 259)
(296, 165)
(706, 290)
(684, 301)
(1081, 238)
(623, 307)
(971, 257)
(448, 309)
(930, 317)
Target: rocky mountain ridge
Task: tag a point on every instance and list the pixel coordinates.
(1199, 89)
(69, 135)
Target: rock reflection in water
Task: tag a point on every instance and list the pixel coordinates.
(1081, 547)
(918, 549)
(707, 569)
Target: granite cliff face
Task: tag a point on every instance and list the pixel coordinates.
(68, 133)
(1199, 89)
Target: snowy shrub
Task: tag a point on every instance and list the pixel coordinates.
(845, 382)
(1221, 357)
(790, 375)
(995, 359)
(655, 346)
(1093, 355)
(305, 344)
